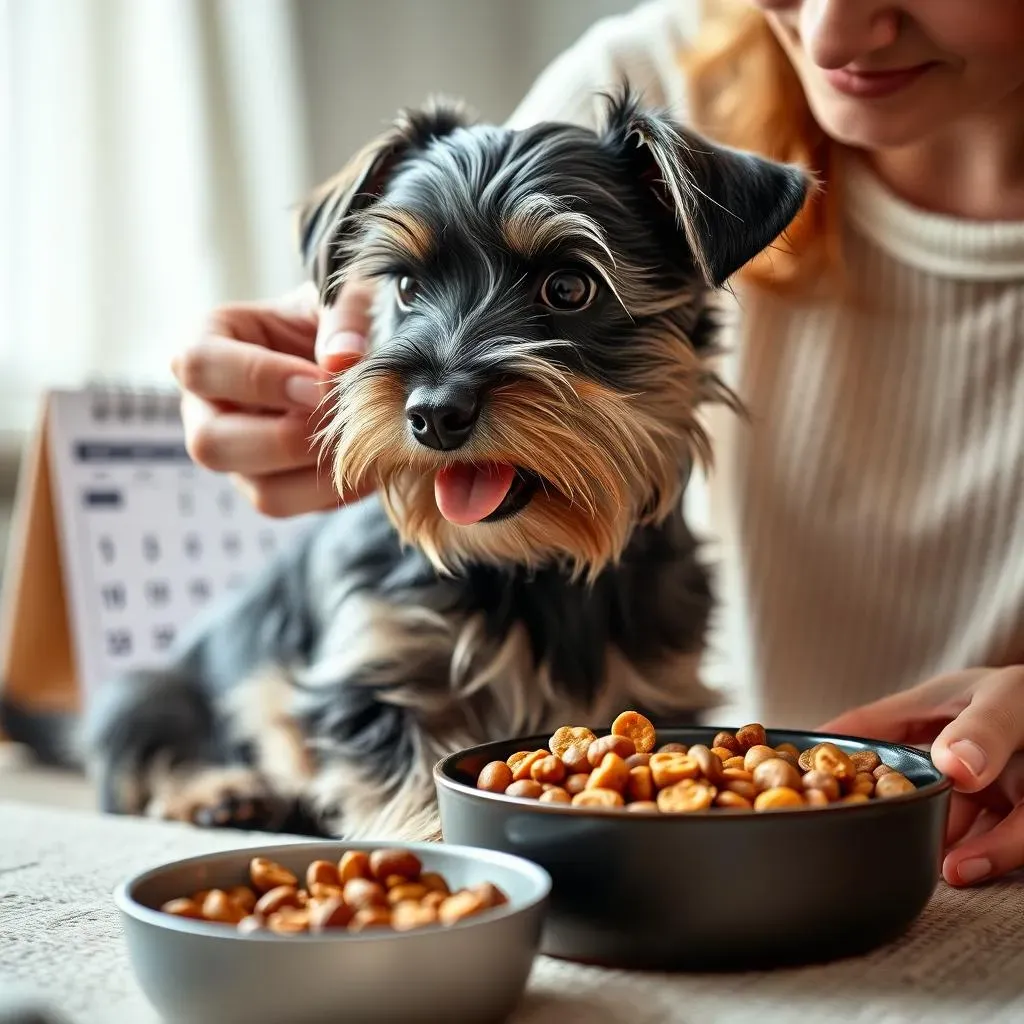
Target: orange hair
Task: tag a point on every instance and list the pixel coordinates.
(746, 94)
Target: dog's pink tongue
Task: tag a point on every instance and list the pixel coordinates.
(466, 492)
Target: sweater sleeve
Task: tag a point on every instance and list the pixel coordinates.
(641, 48)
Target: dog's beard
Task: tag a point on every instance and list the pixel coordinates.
(607, 461)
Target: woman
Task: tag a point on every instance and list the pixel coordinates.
(872, 551)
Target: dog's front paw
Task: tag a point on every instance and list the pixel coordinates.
(220, 798)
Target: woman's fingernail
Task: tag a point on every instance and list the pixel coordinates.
(303, 391)
(970, 755)
(342, 343)
(973, 870)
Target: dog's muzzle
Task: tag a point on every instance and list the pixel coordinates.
(442, 417)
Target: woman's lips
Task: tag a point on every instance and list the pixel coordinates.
(873, 84)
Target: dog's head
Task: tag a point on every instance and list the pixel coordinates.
(539, 346)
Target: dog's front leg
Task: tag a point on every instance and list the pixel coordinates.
(379, 707)
(209, 737)
(166, 747)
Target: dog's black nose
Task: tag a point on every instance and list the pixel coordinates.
(442, 417)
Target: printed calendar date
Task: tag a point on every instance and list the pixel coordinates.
(114, 596)
(119, 643)
(106, 548)
(163, 637)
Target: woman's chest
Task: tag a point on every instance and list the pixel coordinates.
(908, 406)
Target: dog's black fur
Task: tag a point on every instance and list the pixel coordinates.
(318, 699)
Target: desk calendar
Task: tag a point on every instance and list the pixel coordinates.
(120, 539)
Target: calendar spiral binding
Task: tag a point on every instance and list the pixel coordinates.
(130, 403)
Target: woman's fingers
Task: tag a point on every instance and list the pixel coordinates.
(976, 746)
(225, 370)
(272, 459)
(890, 719)
(343, 328)
(916, 715)
(286, 323)
(977, 719)
(963, 812)
(994, 852)
(296, 492)
(254, 398)
(247, 443)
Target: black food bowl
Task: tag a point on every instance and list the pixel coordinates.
(715, 889)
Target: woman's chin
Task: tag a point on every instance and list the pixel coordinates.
(866, 124)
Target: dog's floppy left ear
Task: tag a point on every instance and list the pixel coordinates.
(730, 205)
(326, 219)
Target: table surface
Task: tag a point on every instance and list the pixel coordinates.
(962, 962)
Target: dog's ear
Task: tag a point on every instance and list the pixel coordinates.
(325, 219)
(729, 204)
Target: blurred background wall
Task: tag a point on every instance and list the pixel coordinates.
(362, 60)
(151, 150)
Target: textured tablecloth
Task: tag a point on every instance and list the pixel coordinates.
(963, 962)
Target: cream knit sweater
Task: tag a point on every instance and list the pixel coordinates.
(867, 524)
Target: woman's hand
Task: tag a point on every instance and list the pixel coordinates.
(974, 721)
(252, 391)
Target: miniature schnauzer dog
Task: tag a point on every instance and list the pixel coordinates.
(528, 413)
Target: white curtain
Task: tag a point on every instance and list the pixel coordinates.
(150, 155)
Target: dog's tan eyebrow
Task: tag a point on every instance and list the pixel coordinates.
(539, 222)
(401, 233)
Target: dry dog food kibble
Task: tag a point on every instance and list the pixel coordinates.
(387, 888)
(620, 745)
(636, 728)
(497, 777)
(628, 770)
(570, 746)
(555, 795)
(893, 784)
(668, 768)
(598, 798)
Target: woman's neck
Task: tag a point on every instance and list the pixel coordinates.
(972, 169)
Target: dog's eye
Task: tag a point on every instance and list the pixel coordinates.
(408, 289)
(568, 291)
